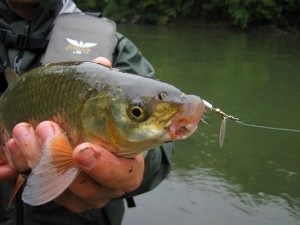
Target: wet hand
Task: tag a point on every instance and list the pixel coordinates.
(104, 175)
(103, 61)
(22, 151)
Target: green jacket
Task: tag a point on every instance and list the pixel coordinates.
(128, 58)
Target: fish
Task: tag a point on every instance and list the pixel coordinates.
(124, 113)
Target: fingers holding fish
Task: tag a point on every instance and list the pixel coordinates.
(106, 176)
(109, 176)
(117, 173)
(23, 148)
(21, 151)
(103, 61)
(12, 159)
(46, 130)
(16, 159)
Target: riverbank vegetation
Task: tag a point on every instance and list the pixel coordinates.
(243, 14)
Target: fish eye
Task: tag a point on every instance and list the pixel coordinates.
(137, 113)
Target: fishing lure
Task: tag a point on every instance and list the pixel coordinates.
(224, 117)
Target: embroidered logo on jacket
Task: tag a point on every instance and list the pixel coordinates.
(79, 47)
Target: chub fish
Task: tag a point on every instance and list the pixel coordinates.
(126, 114)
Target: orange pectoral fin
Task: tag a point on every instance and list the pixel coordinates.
(54, 172)
(62, 152)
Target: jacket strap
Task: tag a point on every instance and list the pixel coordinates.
(20, 41)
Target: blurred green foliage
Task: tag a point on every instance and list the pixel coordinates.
(242, 13)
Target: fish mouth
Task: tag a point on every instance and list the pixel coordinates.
(186, 120)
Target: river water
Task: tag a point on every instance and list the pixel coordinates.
(255, 177)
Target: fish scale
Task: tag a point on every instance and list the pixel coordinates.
(35, 99)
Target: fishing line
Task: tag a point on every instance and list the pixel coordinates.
(267, 127)
(225, 116)
(237, 120)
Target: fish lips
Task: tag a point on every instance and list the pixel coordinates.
(186, 120)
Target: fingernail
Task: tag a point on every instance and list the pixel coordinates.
(86, 157)
(13, 150)
(46, 131)
(21, 133)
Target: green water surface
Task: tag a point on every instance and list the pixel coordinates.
(255, 177)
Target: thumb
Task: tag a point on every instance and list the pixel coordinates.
(108, 169)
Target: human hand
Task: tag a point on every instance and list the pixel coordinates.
(104, 175)
(103, 61)
(21, 152)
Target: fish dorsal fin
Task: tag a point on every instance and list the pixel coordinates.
(10, 76)
(54, 172)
